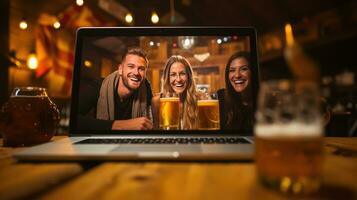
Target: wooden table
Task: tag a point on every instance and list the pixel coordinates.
(163, 180)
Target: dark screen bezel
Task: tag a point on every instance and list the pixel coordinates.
(158, 31)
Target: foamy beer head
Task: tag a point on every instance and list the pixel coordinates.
(208, 114)
(291, 130)
(169, 116)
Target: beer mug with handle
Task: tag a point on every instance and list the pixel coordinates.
(289, 137)
(28, 118)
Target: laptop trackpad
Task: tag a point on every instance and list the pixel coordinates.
(156, 148)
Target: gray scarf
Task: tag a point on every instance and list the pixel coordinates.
(105, 104)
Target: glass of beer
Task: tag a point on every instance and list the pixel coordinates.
(289, 137)
(208, 112)
(28, 118)
(169, 116)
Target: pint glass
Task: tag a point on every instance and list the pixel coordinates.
(288, 137)
(169, 116)
(208, 112)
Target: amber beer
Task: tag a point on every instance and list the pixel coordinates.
(29, 117)
(169, 113)
(208, 114)
(289, 157)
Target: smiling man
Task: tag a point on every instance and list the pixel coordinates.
(123, 98)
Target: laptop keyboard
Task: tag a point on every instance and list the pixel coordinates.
(209, 140)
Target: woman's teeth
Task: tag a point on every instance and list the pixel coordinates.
(239, 81)
(179, 85)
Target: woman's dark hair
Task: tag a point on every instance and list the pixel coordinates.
(238, 106)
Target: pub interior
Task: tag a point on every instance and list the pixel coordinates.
(37, 49)
(326, 29)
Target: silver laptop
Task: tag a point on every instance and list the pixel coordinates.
(123, 77)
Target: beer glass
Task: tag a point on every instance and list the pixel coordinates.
(208, 112)
(28, 118)
(289, 137)
(169, 116)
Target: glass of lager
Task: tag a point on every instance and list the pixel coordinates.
(208, 112)
(289, 137)
(169, 116)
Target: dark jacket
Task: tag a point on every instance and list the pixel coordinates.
(88, 98)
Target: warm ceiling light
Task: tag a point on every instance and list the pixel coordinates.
(23, 24)
(289, 35)
(154, 18)
(79, 2)
(129, 18)
(32, 61)
(87, 63)
(57, 25)
(186, 42)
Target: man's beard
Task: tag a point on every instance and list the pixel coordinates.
(127, 85)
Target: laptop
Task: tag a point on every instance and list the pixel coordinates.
(98, 54)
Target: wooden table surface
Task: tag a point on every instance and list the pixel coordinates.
(167, 180)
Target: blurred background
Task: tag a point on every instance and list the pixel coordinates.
(37, 41)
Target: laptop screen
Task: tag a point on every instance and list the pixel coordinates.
(164, 80)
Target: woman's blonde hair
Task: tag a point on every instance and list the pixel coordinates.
(188, 97)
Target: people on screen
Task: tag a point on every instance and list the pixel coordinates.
(235, 99)
(122, 100)
(178, 78)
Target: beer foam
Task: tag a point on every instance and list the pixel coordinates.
(288, 130)
(207, 102)
(169, 99)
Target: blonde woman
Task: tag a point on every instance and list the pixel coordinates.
(178, 78)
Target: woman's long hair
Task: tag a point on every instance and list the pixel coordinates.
(238, 106)
(188, 97)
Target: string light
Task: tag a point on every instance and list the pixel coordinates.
(154, 18)
(79, 2)
(129, 18)
(23, 24)
(219, 41)
(57, 25)
(32, 61)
